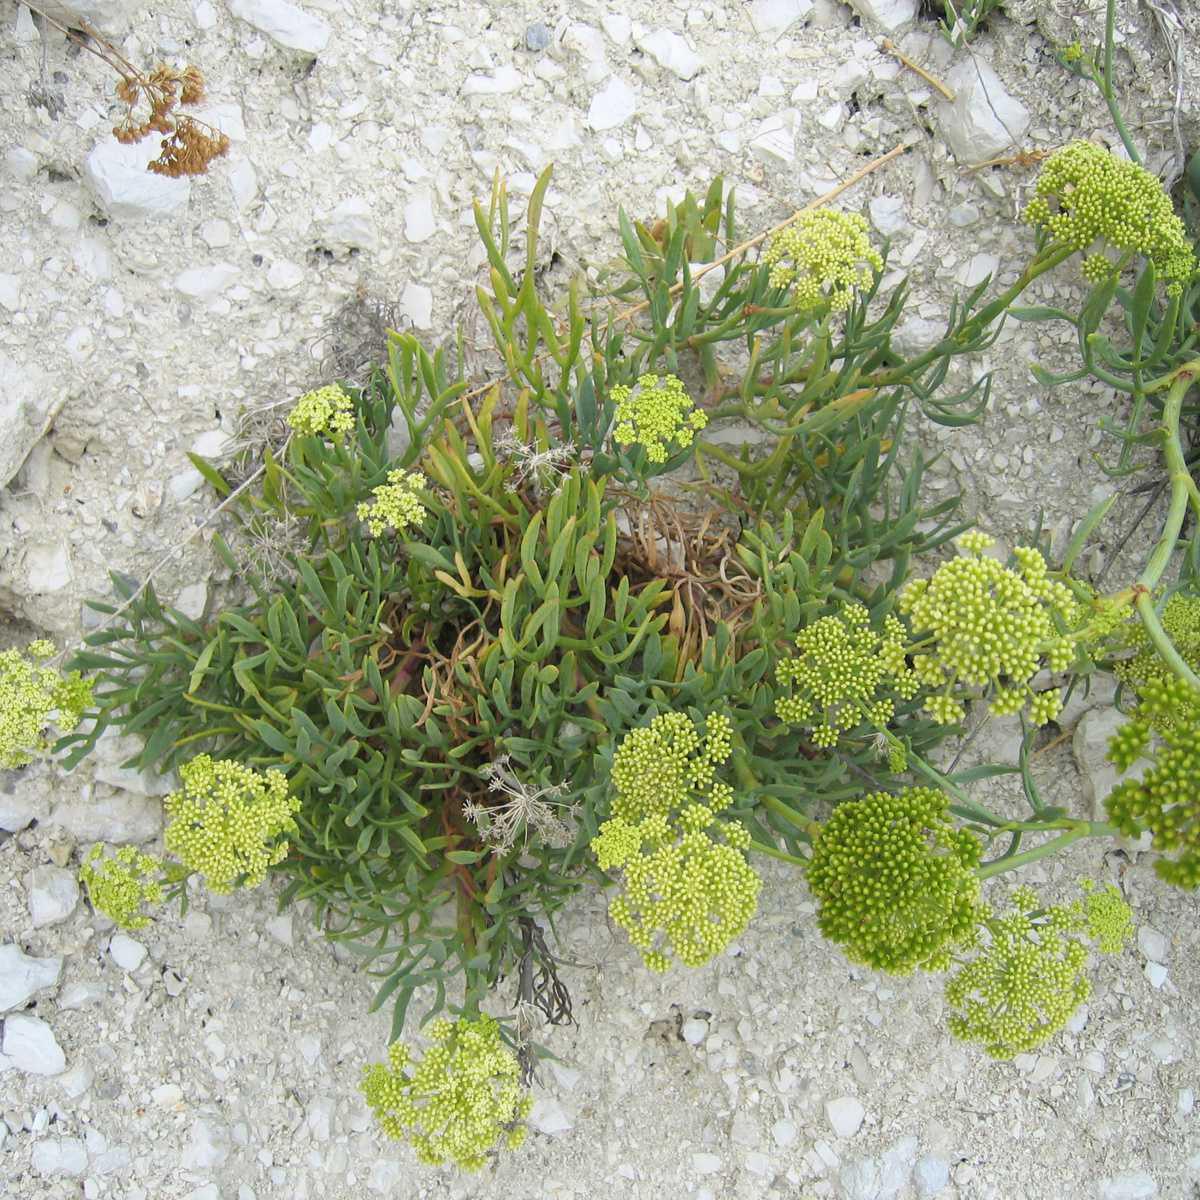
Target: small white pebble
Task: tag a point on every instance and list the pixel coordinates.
(845, 1115)
(127, 953)
(784, 1132)
(1156, 973)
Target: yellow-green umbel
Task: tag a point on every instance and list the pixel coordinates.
(458, 1102)
(397, 504)
(1086, 196)
(844, 674)
(1166, 800)
(327, 410)
(228, 820)
(689, 890)
(1180, 619)
(32, 696)
(1027, 978)
(119, 886)
(657, 415)
(895, 880)
(823, 256)
(987, 625)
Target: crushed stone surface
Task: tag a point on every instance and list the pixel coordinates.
(216, 1055)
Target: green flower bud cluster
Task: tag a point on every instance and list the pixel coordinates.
(1086, 194)
(895, 880)
(33, 696)
(328, 410)
(1166, 800)
(686, 893)
(397, 504)
(838, 679)
(1180, 619)
(657, 414)
(991, 627)
(1027, 979)
(120, 885)
(457, 1102)
(823, 255)
(226, 821)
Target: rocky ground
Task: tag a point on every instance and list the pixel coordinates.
(217, 1055)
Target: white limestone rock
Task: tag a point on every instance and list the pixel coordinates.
(53, 895)
(931, 1176)
(30, 1046)
(24, 798)
(1136, 1185)
(887, 214)
(350, 226)
(113, 748)
(845, 1115)
(612, 106)
(548, 1116)
(206, 283)
(21, 976)
(500, 82)
(126, 952)
(886, 14)
(284, 24)
(124, 818)
(419, 221)
(770, 18)
(671, 52)
(29, 402)
(416, 303)
(983, 120)
(208, 1146)
(59, 1156)
(123, 187)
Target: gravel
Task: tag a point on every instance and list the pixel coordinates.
(224, 1062)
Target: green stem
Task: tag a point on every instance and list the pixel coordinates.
(792, 816)
(1184, 493)
(771, 852)
(1105, 84)
(964, 806)
(1079, 830)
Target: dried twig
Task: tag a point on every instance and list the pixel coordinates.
(898, 54)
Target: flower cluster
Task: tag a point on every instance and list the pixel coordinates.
(327, 410)
(1027, 979)
(685, 892)
(397, 504)
(1085, 195)
(188, 145)
(226, 821)
(1166, 800)
(458, 1101)
(32, 695)
(837, 679)
(991, 626)
(895, 880)
(1180, 619)
(119, 886)
(657, 414)
(823, 255)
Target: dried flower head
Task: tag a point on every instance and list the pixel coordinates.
(454, 1105)
(227, 821)
(519, 810)
(658, 415)
(823, 256)
(541, 468)
(34, 696)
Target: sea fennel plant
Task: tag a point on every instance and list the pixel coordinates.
(548, 632)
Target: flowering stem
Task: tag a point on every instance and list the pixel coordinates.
(1183, 493)
(964, 806)
(1074, 831)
